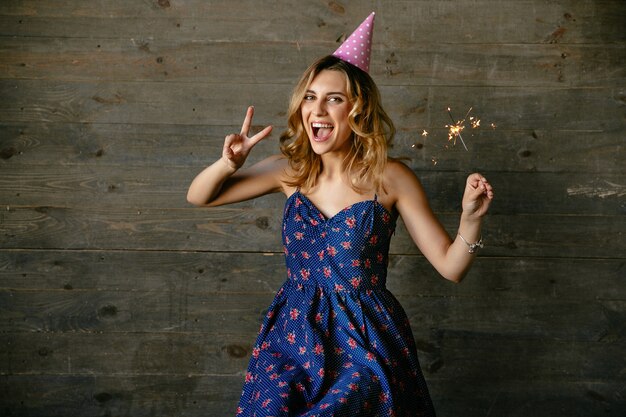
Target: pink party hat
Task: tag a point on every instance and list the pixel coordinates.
(357, 49)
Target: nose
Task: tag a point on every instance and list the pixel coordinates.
(319, 108)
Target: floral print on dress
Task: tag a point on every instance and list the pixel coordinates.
(335, 342)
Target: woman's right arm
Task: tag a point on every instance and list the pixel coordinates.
(223, 183)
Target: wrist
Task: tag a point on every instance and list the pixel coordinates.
(229, 166)
(472, 246)
(470, 231)
(471, 218)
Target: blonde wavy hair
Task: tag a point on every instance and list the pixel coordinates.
(372, 129)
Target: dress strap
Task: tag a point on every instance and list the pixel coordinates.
(376, 197)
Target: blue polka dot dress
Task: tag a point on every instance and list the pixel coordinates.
(335, 341)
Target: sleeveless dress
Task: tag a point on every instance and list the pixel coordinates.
(335, 341)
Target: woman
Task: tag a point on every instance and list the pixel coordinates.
(335, 342)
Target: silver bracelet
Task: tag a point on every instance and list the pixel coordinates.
(473, 247)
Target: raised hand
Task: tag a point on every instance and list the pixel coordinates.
(478, 196)
(238, 146)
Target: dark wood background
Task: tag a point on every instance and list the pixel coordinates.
(119, 299)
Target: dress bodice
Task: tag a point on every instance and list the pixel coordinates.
(345, 252)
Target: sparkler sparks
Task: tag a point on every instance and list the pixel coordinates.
(455, 131)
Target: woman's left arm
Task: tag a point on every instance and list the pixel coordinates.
(452, 258)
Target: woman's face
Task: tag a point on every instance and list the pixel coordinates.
(325, 110)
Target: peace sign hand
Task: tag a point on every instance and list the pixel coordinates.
(238, 146)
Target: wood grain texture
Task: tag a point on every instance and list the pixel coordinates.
(242, 314)
(144, 145)
(263, 273)
(527, 108)
(197, 395)
(403, 22)
(258, 229)
(101, 187)
(119, 298)
(213, 355)
(197, 61)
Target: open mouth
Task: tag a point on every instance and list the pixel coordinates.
(321, 131)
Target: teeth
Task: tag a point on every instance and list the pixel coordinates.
(321, 125)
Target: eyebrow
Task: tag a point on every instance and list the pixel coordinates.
(329, 93)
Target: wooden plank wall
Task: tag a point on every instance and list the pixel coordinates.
(119, 299)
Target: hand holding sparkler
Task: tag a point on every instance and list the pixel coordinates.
(477, 197)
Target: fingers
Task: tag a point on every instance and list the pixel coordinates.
(480, 185)
(475, 179)
(247, 123)
(261, 135)
(228, 143)
(245, 128)
(486, 188)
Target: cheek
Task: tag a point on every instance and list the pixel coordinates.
(343, 118)
(303, 116)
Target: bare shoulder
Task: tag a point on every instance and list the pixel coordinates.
(400, 183)
(398, 176)
(396, 167)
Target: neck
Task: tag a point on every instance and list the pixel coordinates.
(333, 166)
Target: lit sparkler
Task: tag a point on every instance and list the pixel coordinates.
(454, 130)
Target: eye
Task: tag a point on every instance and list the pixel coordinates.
(309, 97)
(335, 99)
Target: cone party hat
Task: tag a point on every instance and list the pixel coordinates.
(357, 49)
